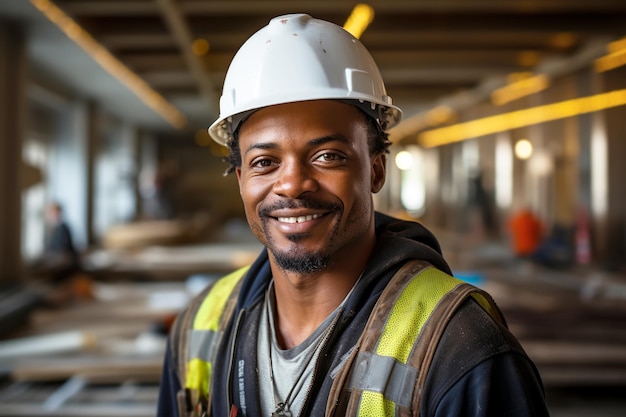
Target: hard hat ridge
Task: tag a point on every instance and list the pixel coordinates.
(299, 58)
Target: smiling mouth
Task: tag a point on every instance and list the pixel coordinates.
(299, 219)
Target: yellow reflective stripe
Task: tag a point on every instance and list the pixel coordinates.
(209, 313)
(406, 319)
(375, 404)
(411, 310)
(198, 375)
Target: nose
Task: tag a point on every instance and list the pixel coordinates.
(295, 178)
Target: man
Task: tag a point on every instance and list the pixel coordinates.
(347, 311)
(60, 259)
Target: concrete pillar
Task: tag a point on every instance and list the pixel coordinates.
(138, 139)
(12, 111)
(91, 147)
(610, 215)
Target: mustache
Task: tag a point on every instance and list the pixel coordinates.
(305, 202)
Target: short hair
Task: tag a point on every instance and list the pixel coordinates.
(56, 206)
(378, 141)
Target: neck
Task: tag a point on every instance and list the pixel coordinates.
(303, 302)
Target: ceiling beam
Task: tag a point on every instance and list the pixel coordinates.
(271, 7)
(399, 29)
(137, 40)
(175, 20)
(420, 58)
(399, 38)
(412, 124)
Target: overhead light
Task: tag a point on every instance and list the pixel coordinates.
(523, 149)
(440, 115)
(616, 57)
(541, 164)
(360, 18)
(111, 64)
(563, 40)
(200, 47)
(431, 118)
(519, 89)
(404, 160)
(521, 118)
(528, 59)
(617, 46)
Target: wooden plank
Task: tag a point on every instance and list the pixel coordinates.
(99, 369)
(46, 344)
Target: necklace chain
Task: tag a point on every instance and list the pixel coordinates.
(283, 407)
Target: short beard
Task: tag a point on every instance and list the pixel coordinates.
(293, 260)
(301, 263)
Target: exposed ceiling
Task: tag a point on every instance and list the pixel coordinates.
(426, 49)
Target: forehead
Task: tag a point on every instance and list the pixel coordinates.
(307, 119)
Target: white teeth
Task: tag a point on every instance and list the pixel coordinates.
(299, 219)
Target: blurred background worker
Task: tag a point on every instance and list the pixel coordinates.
(526, 232)
(60, 259)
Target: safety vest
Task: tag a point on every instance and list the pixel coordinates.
(386, 372)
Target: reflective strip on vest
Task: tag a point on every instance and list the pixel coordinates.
(383, 376)
(201, 344)
(201, 347)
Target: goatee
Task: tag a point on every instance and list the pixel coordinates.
(301, 263)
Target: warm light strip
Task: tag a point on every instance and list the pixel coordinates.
(433, 117)
(519, 89)
(611, 61)
(111, 64)
(616, 57)
(360, 18)
(521, 118)
(617, 46)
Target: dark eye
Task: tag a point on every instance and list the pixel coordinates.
(329, 157)
(262, 164)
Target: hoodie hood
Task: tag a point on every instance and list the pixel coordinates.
(399, 241)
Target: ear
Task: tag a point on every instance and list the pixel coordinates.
(379, 167)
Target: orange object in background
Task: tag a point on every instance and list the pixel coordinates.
(527, 232)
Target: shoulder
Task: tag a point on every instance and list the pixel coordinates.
(208, 304)
(476, 358)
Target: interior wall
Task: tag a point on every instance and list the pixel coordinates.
(115, 174)
(614, 222)
(200, 187)
(67, 170)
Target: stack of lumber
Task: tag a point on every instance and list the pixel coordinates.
(574, 340)
(89, 353)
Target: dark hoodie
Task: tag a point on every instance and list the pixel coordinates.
(462, 376)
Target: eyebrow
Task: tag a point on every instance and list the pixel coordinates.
(326, 139)
(260, 146)
(313, 142)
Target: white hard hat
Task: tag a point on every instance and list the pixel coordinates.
(299, 58)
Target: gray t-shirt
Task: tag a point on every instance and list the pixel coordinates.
(292, 368)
